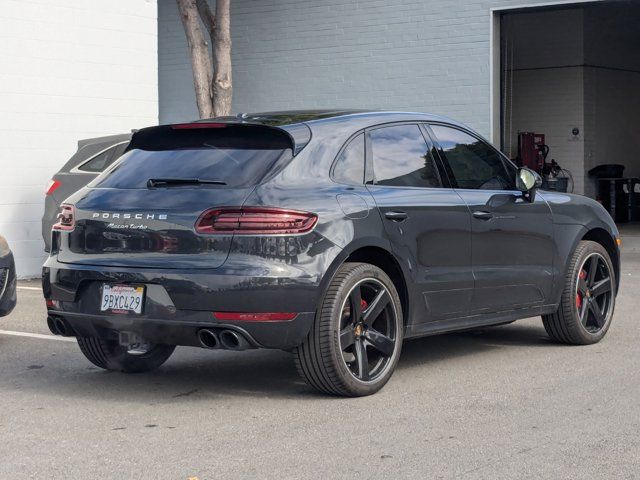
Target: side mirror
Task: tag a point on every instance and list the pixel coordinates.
(528, 182)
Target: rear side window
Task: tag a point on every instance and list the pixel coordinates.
(402, 158)
(349, 167)
(234, 157)
(473, 163)
(101, 161)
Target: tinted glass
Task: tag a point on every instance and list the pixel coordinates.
(473, 163)
(102, 161)
(234, 166)
(349, 167)
(401, 157)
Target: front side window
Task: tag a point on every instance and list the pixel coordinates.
(473, 163)
(349, 167)
(401, 157)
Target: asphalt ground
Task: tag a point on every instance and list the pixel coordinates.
(503, 402)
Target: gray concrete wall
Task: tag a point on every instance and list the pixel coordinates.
(425, 55)
(68, 70)
(546, 95)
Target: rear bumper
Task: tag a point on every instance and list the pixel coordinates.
(183, 328)
(178, 303)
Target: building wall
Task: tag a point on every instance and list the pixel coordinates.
(177, 100)
(68, 70)
(425, 55)
(611, 86)
(547, 90)
(552, 102)
(614, 110)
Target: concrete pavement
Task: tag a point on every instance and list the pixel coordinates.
(501, 403)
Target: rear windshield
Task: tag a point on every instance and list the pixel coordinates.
(232, 158)
(236, 168)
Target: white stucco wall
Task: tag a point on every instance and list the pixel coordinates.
(69, 69)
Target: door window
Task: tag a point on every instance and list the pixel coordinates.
(472, 163)
(402, 158)
(349, 167)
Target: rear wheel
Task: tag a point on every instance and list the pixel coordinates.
(354, 345)
(588, 299)
(110, 355)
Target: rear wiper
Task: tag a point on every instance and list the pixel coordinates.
(168, 182)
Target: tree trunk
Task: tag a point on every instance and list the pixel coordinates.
(201, 64)
(207, 16)
(222, 86)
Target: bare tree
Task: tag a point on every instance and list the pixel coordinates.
(212, 78)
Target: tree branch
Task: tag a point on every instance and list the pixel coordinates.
(222, 86)
(201, 61)
(207, 16)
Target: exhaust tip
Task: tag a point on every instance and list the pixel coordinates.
(208, 338)
(61, 327)
(51, 323)
(232, 340)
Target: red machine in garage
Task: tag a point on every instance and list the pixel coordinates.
(532, 153)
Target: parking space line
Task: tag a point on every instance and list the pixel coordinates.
(21, 287)
(37, 335)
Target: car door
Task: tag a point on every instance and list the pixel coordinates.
(512, 238)
(429, 225)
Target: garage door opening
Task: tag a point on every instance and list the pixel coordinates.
(568, 78)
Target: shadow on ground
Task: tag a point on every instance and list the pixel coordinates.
(195, 374)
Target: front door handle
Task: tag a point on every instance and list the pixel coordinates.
(482, 215)
(396, 216)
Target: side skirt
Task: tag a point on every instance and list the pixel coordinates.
(474, 321)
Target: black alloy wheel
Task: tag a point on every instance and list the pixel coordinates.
(355, 343)
(588, 298)
(594, 293)
(368, 330)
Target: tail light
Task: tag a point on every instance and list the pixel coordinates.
(52, 187)
(255, 221)
(66, 218)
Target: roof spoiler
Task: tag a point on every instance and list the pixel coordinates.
(165, 137)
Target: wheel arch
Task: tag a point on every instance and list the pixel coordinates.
(606, 239)
(378, 253)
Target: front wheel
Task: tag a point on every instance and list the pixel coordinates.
(588, 299)
(354, 345)
(110, 355)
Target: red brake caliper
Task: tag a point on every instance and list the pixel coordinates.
(363, 304)
(582, 276)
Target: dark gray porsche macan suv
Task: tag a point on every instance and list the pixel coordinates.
(333, 235)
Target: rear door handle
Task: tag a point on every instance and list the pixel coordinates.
(396, 216)
(482, 215)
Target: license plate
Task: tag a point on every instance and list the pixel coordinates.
(122, 298)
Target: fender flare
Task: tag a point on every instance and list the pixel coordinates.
(364, 242)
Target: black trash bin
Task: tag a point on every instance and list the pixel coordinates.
(620, 197)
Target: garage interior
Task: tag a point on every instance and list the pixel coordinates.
(570, 79)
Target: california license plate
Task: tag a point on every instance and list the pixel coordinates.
(122, 298)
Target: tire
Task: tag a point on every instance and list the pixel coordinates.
(584, 314)
(353, 346)
(111, 355)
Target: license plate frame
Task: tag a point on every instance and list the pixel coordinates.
(122, 299)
